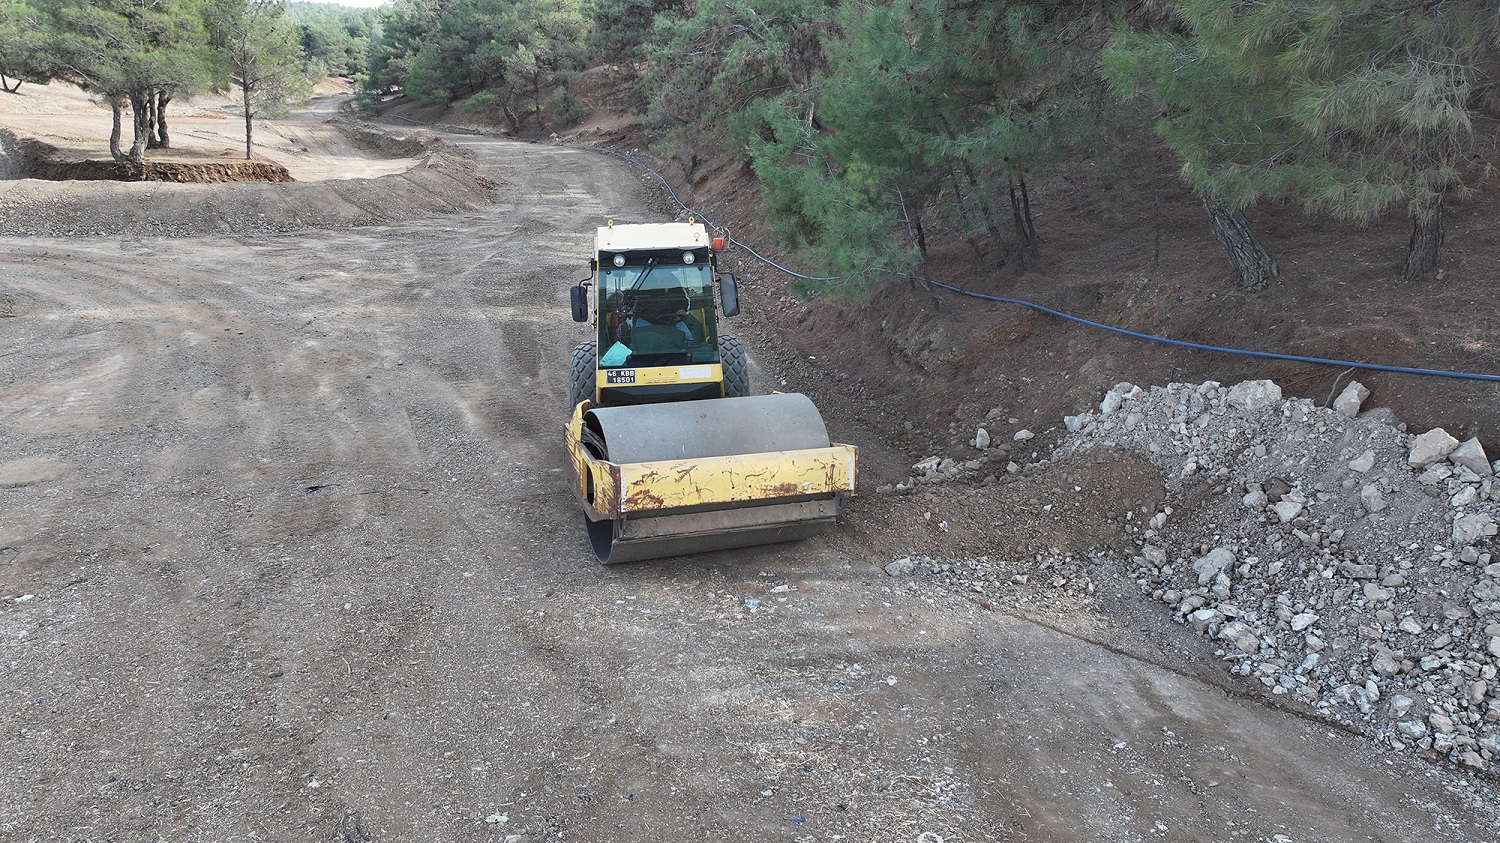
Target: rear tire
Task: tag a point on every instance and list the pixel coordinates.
(736, 367)
(582, 380)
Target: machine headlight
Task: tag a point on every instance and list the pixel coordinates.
(688, 257)
(619, 260)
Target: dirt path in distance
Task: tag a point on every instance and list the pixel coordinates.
(287, 552)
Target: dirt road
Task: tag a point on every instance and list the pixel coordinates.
(287, 553)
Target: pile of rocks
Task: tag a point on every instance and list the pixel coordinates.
(1335, 558)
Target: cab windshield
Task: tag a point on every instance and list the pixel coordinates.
(656, 315)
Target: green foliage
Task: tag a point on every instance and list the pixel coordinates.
(366, 102)
(335, 39)
(25, 49)
(565, 107)
(116, 46)
(1347, 107)
(481, 103)
(842, 211)
(709, 71)
(441, 50)
(260, 49)
(620, 30)
(930, 112)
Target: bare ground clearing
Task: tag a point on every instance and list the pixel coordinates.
(287, 553)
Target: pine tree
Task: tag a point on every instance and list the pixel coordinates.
(261, 50)
(933, 114)
(135, 52)
(25, 49)
(1346, 107)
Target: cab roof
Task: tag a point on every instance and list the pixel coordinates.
(663, 235)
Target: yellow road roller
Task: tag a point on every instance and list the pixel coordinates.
(670, 453)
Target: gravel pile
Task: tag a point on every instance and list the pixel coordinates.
(1332, 556)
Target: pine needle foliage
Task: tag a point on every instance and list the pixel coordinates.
(1349, 108)
(932, 114)
(710, 71)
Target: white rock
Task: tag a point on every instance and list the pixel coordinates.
(1468, 529)
(1364, 462)
(901, 567)
(1435, 474)
(1414, 729)
(1371, 498)
(981, 439)
(1475, 693)
(1303, 621)
(1255, 499)
(1287, 510)
(1385, 662)
(1239, 635)
(1202, 619)
(1220, 588)
(1154, 555)
(1076, 423)
(1023, 434)
(1430, 447)
(1254, 395)
(1215, 562)
(1470, 455)
(1350, 399)
(1117, 396)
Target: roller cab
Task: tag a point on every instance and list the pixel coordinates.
(670, 452)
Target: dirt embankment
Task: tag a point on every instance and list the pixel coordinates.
(38, 160)
(441, 181)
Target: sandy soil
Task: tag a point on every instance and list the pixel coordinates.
(287, 553)
(205, 129)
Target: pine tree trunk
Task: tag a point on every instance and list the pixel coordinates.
(921, 234)
(1251, 260)
(1426, 241)
(967, 227)
(249, 118)
(141, 111)
(161, 120)
(1025, 223)
(985, 211)
(153, 139)
(115, 107)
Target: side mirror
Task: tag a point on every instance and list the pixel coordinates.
(729, 295)
(580, 296)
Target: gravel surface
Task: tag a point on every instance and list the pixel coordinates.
(287, 553)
